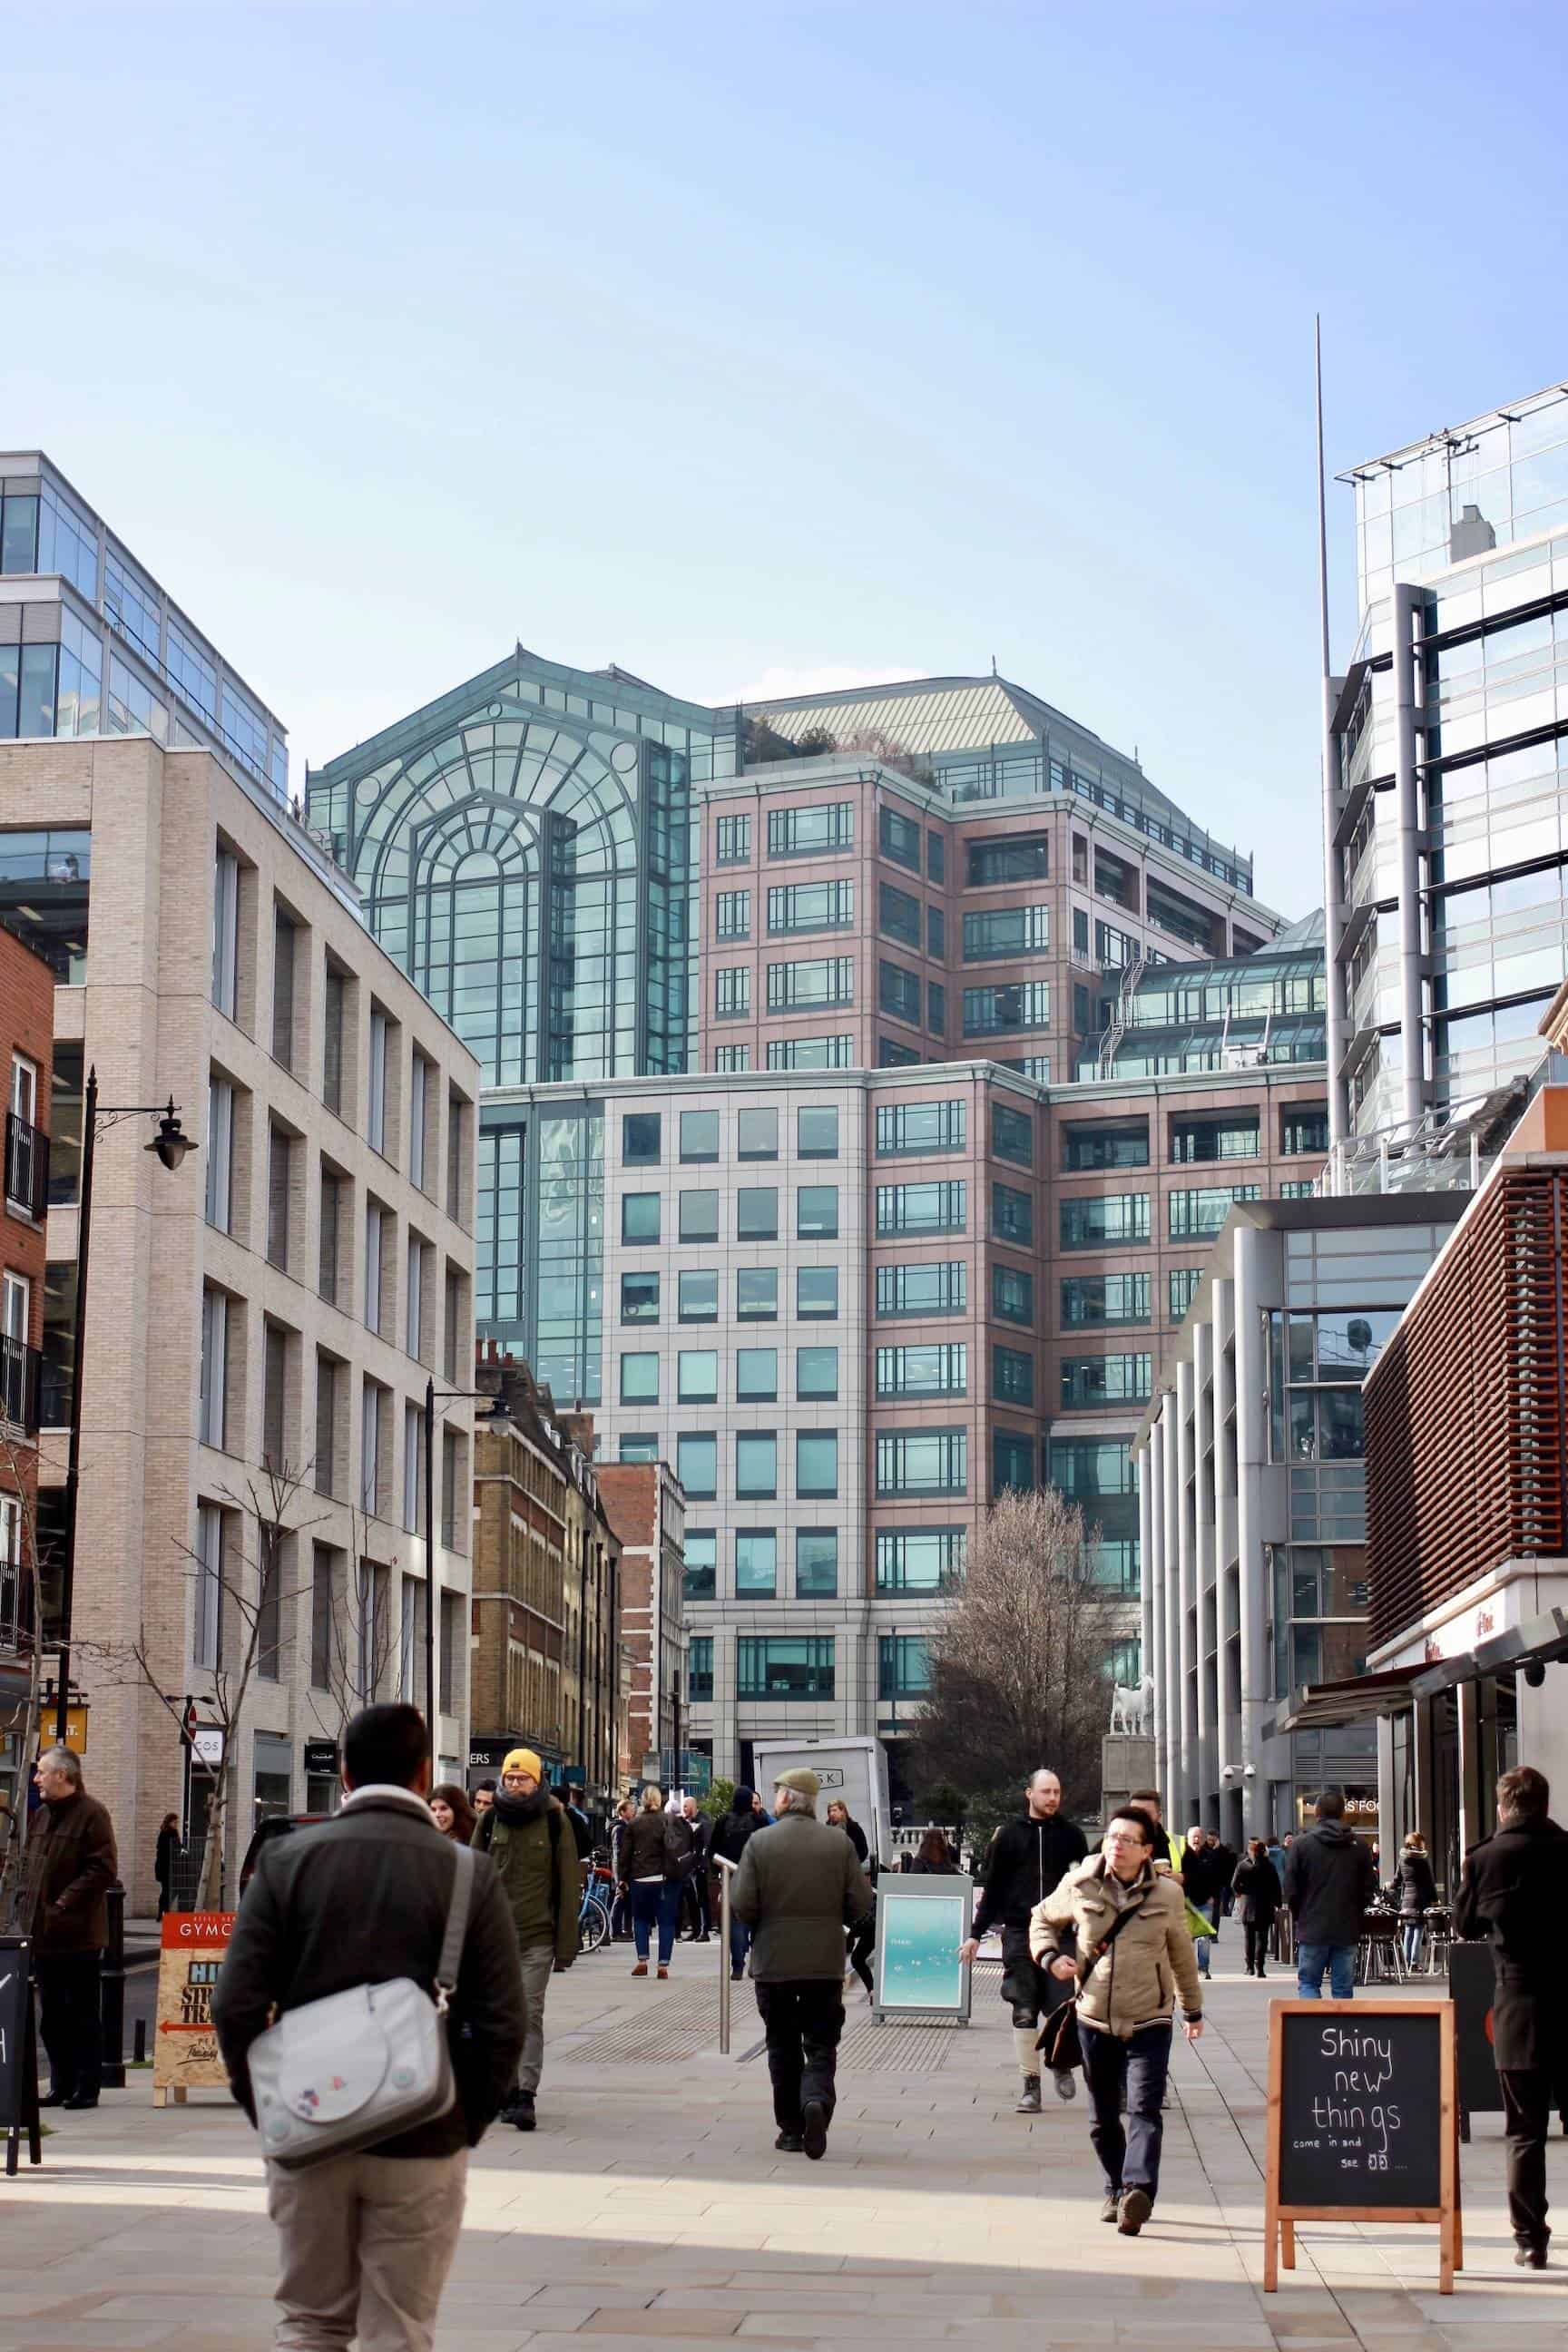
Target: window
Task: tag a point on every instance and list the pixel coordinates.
(283, 988)
(898, 992)
(1012, 1134)
(890, 1055)
(922, 1126)
(1012, 1376)
(899, 916)
(816, 1134)
(699, 1668)
(1098, 1473)
(1232, 1136)
(324, 1590)
(640, 1145)
(279, 1166)
(817, 1563)
(732, 1057)
(1020, 857)
(1029, 1066)
(639, 1217)
(922, 1461)
(220, 1151)
(1105, 1143)
(817, 1293)
(805, 987)
(756, 1293)
(941, 1208)
(732, 992)
(213, 1419)
(936, 934)
(419, 1094)
(920, 1561)
(938, 1288)
(756, 1212)
(698, 1372)
(1012, 1462)
(1012, 1295)
(206, 1641)
(757, 1134)
(815, 1374)
(1082, 1009)
(697, 1465)
(1011, 1214)
(810, 907)
(900, 838)
(697, 1297)
(1200, 1214)
(1090, 1300)
(413, 1287)
(698, 1134)
(226, 930)
(936, 1009)
(412, 1465)
(806, 832)
(756, 1375)
(371, 1419)
(817, 1213)
(1117, 950)
(1079, 931)
(733, 840)
(773, 1666)
(1096, 1220)
(374, 1219)
(1302, 1190)
(756, 1466)
(639, 1297)
(903, 1667)
(329, 1374)
(732, 915)
(939, 1369)
(1006, 931)
(756, 1563)
(639, 1380)
(1303, 1128)
(638, 1449)
(1090, 1382)
(375, 1124)
(811, 1053)
(1182, 1288)
(334, 1043)
(1022, 1004)
(699, 1580)
(936, 857)
(815, 1463)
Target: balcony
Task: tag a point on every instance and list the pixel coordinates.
(26, 1167)
(21, 1369)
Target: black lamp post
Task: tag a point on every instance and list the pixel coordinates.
(170, 1144)
(495, 1411)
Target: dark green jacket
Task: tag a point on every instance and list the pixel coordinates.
(527, 1859)
(799, 1885)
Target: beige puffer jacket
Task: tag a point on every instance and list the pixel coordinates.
(1150, 1961)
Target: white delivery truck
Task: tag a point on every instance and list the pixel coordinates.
(854, 1770)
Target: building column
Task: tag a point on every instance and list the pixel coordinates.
(1472, 1795)
(1172, 1605)
(1251, 1456)
(1406, 642)
(1337, 977)
(1421, 1807)
(1146, 1566)
(1206, 1768)
(1155, 1574)
(1187, 1630)
(1224, 1395)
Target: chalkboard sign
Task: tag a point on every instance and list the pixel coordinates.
(1362, 2120)
(18, 2052)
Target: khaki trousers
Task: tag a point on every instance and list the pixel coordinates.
(367, 2242)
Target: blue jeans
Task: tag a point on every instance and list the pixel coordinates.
(1202, 1943)
(655, 1899)
(1129, 2153)
(1339, 1959)
(740, 1942)
(1414, 1932)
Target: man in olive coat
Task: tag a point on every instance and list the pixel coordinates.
(800, 1884)
(1514, 1891)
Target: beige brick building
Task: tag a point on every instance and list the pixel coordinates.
(261, 1323)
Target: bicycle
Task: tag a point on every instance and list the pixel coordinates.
(593, 1920)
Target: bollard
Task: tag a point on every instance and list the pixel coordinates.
(726, 1873)
(139, 2045)
(112, 1993)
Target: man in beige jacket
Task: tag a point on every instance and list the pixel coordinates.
(1135, 1954)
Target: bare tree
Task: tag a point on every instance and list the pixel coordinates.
(355, 1638)
(1017, 1663)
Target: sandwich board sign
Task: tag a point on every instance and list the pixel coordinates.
(1363, 2123)
(18, 2053)
(921, 1922)
(185, 2054)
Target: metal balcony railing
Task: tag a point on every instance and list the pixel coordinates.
(21, 1369)
(27, 1166)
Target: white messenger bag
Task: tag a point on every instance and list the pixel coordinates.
(341, 2075)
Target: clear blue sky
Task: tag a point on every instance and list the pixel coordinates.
(747, 344)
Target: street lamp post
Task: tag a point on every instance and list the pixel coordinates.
(170, 1145)
(497, 1412)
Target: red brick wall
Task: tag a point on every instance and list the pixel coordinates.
(26, 1026)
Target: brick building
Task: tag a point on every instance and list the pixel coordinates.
(27, 1029)
(648, 1510)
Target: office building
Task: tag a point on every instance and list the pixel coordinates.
(26, 1023)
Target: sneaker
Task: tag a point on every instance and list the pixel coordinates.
(813, 2138)
(523, 2112)
(640, 1969)
(1066, 2082)
(789, 2143)
(1111, 2209)
(737, 1976)
(1028, 2099)
(1134, 2211)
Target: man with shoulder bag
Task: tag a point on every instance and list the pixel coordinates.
(1135, 1957)
(390, 1957)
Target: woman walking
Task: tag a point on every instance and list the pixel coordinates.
(167, 1855)
(1255, 1887)
(452, 1813)
(652, 1867)
(1418, 1892)
(730, 1834)
(860, 1937)
(934, 1857)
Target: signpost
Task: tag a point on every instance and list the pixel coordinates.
(185, 2046)
(1363, 2123)
(921, 1922)
(19, 2054)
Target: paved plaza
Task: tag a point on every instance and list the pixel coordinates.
(650, 2208)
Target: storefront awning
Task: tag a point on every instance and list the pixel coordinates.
(1538, 1642)
(1364, 1699)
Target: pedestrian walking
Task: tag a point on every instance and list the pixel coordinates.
(653, 1856)
(1225, 1860)
(933, 1858)
(860, 1935)
(452, 1813)
(582, 1829)
(484, 1796)
(1029, 1858)
(1418, 1891)
(1514, 1891)
(764, 1819)
(367, 2238)
(620, 1910)
(1199, 1884)
(527, 1836)
(69, 1867)
(1134, 1958)
(694, 1918)
(1330, 1879)
(165, 1859)
(731, 1835)
(799, 1883)
(1256, 1888)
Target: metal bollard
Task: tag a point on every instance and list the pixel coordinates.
(726, 1873)
(112, 1993)
(139, 2043)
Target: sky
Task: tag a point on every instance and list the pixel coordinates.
(755, 348)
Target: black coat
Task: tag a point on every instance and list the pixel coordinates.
(1028, 1860)
(1417, 1886)
(359, 1900)
(731, 1833)
(1256, 1886)
(1514, 1891)
(1330, 1879)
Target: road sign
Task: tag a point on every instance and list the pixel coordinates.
(76, 1727)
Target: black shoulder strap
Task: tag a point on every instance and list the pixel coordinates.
(1097, 1952)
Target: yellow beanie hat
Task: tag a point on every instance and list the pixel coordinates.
(523, 1759)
